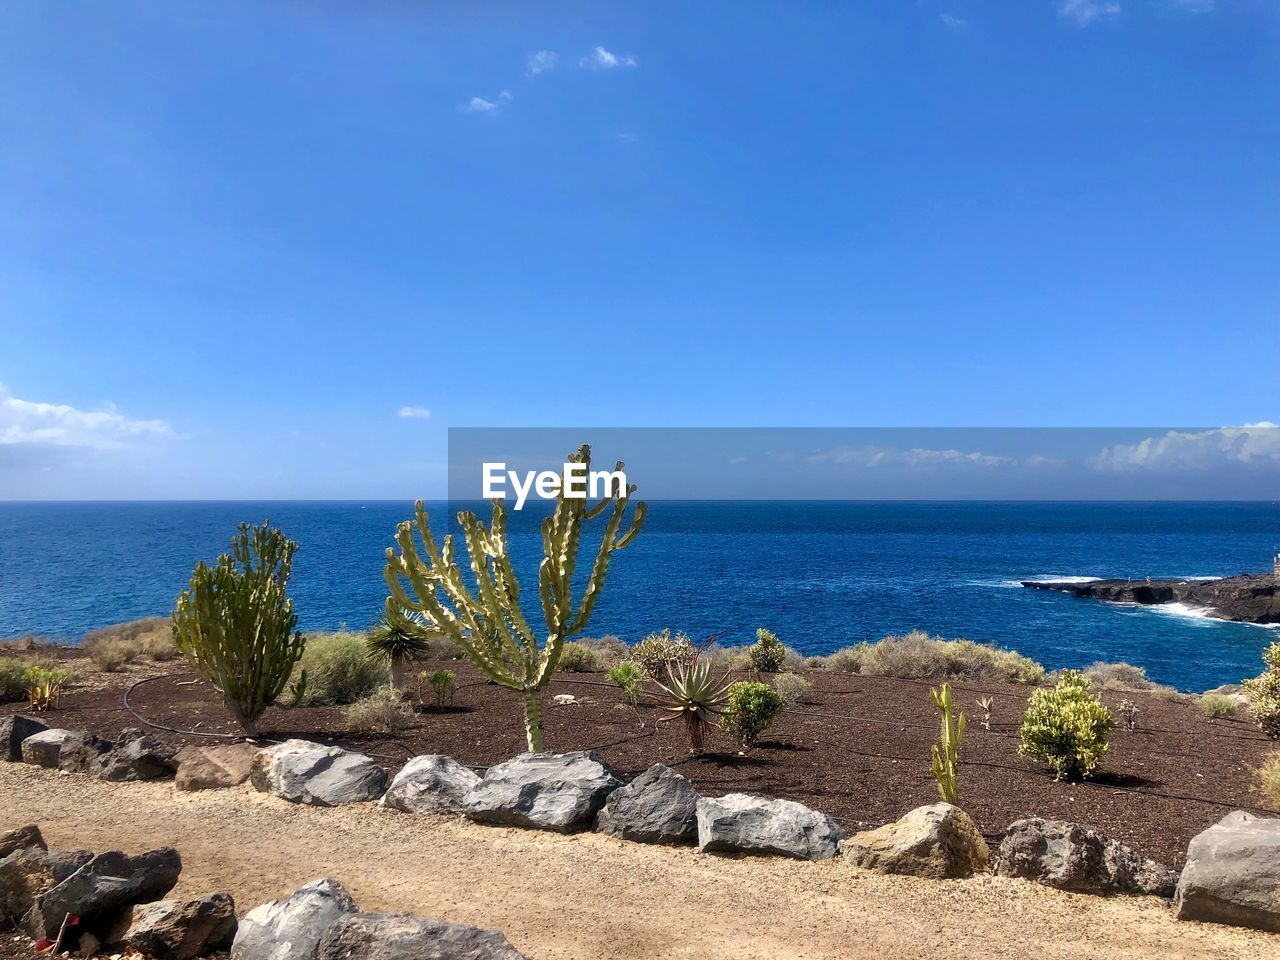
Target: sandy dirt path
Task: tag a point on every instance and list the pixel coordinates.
(593, 897)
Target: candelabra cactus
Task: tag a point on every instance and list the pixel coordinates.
(946, 755)
(488, 624)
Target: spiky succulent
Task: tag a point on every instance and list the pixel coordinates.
(691, 693)
(391, 637)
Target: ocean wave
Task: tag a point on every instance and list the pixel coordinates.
(1199, 616)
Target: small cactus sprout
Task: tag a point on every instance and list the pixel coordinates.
(946, 755)
(984, 705)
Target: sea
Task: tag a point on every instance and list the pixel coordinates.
(821, 575)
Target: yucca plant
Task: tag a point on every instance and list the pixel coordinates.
(401, 642)
(691, 693)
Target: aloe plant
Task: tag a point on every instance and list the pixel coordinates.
(694, 695)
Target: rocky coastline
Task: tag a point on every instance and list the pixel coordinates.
(1246, 598)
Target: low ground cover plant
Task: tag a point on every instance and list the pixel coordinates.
(338, 669)
(1066, 727)
(792, 688)
(1217, 706)
(919, 656)
(662, 650)
(579, 656)
(1263, 693)
(751, 708)
(384, 710)
(112, 647)
(1268, 778)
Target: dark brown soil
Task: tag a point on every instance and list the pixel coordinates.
(859, 751)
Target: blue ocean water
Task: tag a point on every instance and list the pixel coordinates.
(822, 575)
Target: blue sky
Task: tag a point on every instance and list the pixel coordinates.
(239, 240)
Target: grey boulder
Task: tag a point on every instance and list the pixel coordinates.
(291, 929)
(28, 873)
(81, 752)
(659, 806)
(214, 767)
(15, 729)
(545, 791)
(430, 784)
(136, 756)
(938, 840)
(312, 773)
(741, 823)
(183, 929)
(1071, 856)
(1232, 874)
(401, 936)
(44, 748)
(102, 892)
(24, 838)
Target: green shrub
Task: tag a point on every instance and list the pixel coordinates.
(383, 710)
(1217, 706)
(752, 707)
(13, 679)
(767, 653)
(1066, 727)
(112, 653)
(150, 637)
(578, 656)
(1268, 778)
(1263, 693)
(658, 651)
(918, 656)
(1117, 676)
(610, 649)
(339, 669)
(443, 684)
(846, 659)
(628, 676)
(792, 688)
(44, 686)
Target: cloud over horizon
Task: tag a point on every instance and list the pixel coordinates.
(413, 413)
(34, 423)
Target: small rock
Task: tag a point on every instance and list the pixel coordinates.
(1071, 856)
(214, 767)
(183, 929)
(938, 840)
(564, 699)
(44, 748)
(741, 823)
(306, 772)
(136, 756)
(659, 806)
(81, 752)
(24, 838)
(15, 729)
(26, 874)
(101, 892)
(545, 791)
(430, 784)
(400, 936)
(1232, 874)
(291, 929)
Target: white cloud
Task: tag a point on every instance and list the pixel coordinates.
(1194, 6)
(413, 413)
(602, 59)
(481, 105)
(1084, 12)
(871, 456)
(1254, 444)
(542, 61)
(28, 422)
(953, 22)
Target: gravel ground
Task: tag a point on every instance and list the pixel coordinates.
(594, 897)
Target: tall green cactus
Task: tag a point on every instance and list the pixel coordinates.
(236, 626)
(946, 755)
(487, 623)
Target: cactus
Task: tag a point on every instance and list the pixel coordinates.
(488, 624)
(946, 755)
(236, 626)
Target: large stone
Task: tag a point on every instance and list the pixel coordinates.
(15, 729)
(291, 929)
(545, 791)
(215, 767)
(741, 823)
(430, 784)
(81, 752)
(102, 892)
(183, 929)
(28, 873)
(306, 772)
(659, 806)
(400, 936)
(1074, 857)
(44, 748)
(136, 756)
(938, 840)
(24, 838)
(1232, 874)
